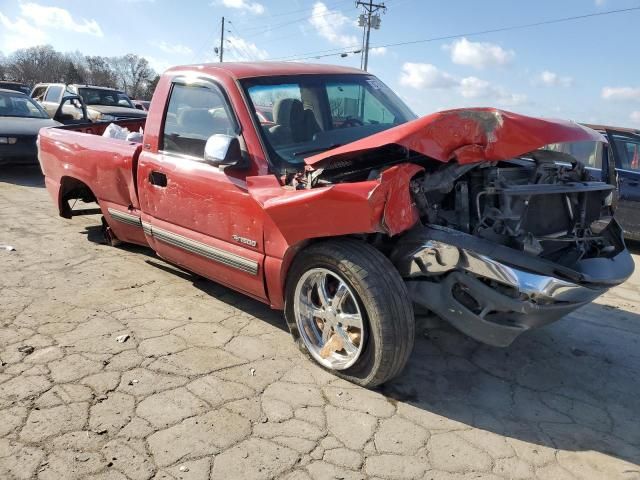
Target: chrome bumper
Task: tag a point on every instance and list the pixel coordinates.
(490, 300)
(436, 258)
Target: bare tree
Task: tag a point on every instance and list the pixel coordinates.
(151, 87)
(134, 74)
(130, 72)
(3, 66)
(99, 72)
(37, 64)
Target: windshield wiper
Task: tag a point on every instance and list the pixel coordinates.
(317, 149)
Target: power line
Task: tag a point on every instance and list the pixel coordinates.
(262, 29)
(347, 49)
(292, 12)
(239, 45)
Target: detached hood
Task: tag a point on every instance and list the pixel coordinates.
(466, 135)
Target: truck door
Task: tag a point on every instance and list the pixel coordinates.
(626, 150)
(195, 214)
(52, 98)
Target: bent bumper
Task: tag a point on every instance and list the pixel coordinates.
(493, 301)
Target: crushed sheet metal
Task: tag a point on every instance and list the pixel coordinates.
(400, 212)
(380, 205)
(466, 135)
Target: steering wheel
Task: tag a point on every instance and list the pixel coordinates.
(352, 122)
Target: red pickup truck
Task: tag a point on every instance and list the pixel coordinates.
(346, 211)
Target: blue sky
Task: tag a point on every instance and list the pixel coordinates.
(586, 70)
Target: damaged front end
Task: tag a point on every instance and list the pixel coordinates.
(508, 236)
(511, 245)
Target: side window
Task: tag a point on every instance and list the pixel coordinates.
(195, 112)
(53, 94)
(629, 152)
(38, 93)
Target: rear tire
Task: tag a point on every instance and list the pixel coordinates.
(109, 237)
(382, 299)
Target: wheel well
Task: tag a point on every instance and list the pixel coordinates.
(72, 189)
(378, 241)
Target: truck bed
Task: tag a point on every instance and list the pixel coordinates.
(74, 154)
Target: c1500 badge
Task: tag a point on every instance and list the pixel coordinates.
(246, 241)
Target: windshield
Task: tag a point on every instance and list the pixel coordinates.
(109, 98)
(19, 105)
(306, 114)
(587, 152)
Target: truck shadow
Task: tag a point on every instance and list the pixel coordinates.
(573, 386)
(22, 175)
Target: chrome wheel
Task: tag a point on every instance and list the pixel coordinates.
(329, 319)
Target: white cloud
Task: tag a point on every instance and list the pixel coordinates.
(58, 19)
(158, 64)
(30, 28)
(621, 93)
(378, 51)
(552, 79)
(247, 6)
(19, 34)
(479, 54)
(241, 50)
(600, 3)
(425, 75)
(174, 49)
(474, 87)
(330, 24)
(635, 117)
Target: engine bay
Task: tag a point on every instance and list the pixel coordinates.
(544, 204)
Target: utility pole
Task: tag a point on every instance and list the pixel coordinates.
(368, 20)
(222, 41)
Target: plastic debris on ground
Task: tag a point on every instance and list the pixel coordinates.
(8, 248)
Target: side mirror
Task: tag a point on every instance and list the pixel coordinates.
(223, 151)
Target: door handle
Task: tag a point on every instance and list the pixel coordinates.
(158, 179)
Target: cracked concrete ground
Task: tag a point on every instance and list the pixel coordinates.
(209, 384)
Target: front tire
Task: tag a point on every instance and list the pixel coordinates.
(350, 311)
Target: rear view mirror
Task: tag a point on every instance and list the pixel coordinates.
(223, 150)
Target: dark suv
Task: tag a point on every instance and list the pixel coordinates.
(17, 86)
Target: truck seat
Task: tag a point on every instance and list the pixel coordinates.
(288, 114)
(199, 122)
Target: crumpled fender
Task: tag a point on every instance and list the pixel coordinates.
(380, 205)
(385, 204)
(467, 136)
